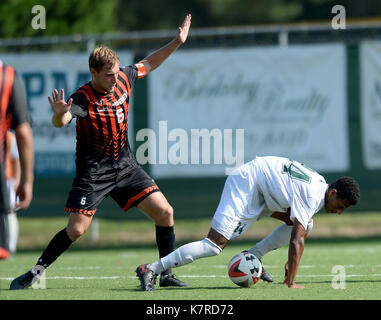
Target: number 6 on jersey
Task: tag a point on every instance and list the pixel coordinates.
(120, 115)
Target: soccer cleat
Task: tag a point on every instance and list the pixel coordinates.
(22, 282)
(4, 254)
(170, 280)
(147, 277)
(266, 276)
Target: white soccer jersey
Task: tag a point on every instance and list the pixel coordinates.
(265, 185)
(287, 183)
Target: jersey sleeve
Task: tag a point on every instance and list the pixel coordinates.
(18, 105)
(134, 72)
(142, 72)
(301, 212)
(79, 106)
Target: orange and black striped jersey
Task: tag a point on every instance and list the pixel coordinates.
(102, 127)
(13, 112)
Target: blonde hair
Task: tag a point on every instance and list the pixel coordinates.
(102, 56)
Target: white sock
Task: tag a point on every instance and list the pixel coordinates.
(186, 254)
(278, 238)
(13, 232)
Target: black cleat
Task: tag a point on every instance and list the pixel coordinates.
(22, 282)
(147, 277)
(170, 280)
(266, 276)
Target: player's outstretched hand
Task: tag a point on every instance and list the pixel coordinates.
(285, 281)
(58, 104)
(182, 32)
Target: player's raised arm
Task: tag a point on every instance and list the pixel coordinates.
(155, 59)
(61, 109)
(295, 252)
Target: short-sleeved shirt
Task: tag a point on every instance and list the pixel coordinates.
(102, 146)
(265, 185)
(13, 112)
(286, 183)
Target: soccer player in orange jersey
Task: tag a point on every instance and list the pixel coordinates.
(105, 165)
(14, 115)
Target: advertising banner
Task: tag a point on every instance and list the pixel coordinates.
(213, 109)
(370, 62)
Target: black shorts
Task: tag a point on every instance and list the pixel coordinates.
(128, 191)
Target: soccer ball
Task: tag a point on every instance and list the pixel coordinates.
(244, 269)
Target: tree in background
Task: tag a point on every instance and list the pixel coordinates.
(65, 17)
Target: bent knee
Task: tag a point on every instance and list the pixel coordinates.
(211, 247)
(74, 232)
(164, 215)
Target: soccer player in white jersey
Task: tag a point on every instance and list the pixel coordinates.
(266, 186)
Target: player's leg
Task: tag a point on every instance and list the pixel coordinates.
(212, 245)
(180, 257)
(277, 239)
(77, 225)
(138, 189)
(225, 225)
(4, 208)
(82, 206)
(4, 252)
(13, 232)
(160, 211)
(222, 230)
(13, 226)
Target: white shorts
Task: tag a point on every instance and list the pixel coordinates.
(241, 203)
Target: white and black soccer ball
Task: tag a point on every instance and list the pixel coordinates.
(244, 269)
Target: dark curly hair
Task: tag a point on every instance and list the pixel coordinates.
(347, 189)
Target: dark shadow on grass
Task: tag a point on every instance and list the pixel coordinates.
(244, 244)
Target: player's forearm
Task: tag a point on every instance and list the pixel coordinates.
(61, 120)
(295, 252)
(24, 137)
(156, 58)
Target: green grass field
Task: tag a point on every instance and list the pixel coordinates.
(105, 270)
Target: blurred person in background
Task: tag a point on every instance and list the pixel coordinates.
(12, 175)
(14, 115)
(105, 164)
